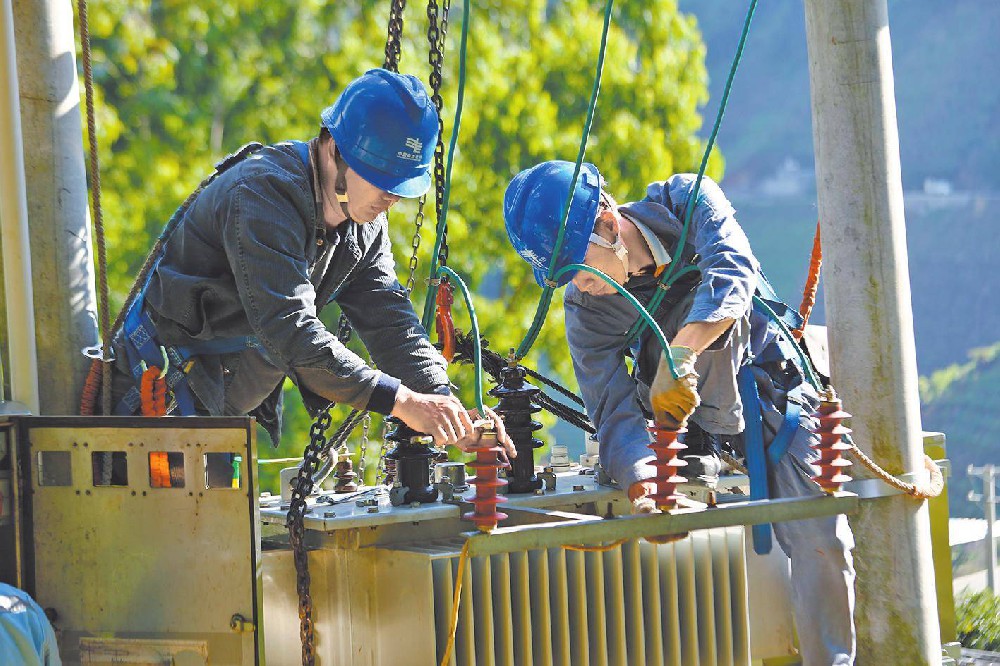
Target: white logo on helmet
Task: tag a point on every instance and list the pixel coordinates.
(416, 146)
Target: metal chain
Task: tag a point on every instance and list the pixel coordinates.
(363, 453)
(418, 223)
(392, 42)
(437, 28)
(380, 472)
(301, 487)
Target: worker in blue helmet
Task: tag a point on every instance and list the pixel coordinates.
(26, 636)
(231, 307)
(729, 356)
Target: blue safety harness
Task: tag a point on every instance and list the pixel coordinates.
(757, 456)
(143, 350)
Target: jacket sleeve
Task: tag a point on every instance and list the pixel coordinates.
(728, 267)
(379, 309)
(264, 237)
(594, 329)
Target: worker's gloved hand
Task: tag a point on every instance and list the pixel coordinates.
(674, 400)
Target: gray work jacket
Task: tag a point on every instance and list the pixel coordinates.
(723, 288)
(252, 257)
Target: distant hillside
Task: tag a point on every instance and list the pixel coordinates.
(962, 401)
(946, 79)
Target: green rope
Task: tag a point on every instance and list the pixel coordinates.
(478, 350)
(806, 364)
(670, 276)
(634, 302)
(439, 230)
(546, 298)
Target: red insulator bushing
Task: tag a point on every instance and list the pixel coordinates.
(666, 448)
(831, 446)
(487, 481)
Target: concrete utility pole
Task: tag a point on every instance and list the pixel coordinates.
(18, 312)
(63, 278)
(873, 358)
(989, 500)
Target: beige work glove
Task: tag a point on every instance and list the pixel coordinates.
(674, 400)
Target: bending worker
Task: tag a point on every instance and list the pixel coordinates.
(232, 306)
(714, 333)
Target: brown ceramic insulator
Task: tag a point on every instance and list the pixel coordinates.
(487, 482)
(346, 478)
(666, 448)
(831, 446)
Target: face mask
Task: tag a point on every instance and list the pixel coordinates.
(618, 247)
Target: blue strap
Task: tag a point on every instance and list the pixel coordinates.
(302, 148)
(753, 436)
(779, 445)
(139, 341)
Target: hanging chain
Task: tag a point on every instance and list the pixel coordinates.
(392, 42)
(418, 223)
(437, 28)
(301, 487)
(363, 454)
(380, 472)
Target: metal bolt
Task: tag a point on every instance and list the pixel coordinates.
(539, 492)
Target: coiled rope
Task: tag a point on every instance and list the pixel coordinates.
(94, 174)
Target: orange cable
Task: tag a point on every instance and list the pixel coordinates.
(812, 284)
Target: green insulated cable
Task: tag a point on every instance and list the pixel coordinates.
(634, 302)
(806, 363)
(478, 350)
(546, 298)
(670, 275)
(439, 230)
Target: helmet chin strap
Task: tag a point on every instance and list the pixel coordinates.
(340, 183)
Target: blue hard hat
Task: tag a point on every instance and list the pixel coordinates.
(386, 126)
(533, 207)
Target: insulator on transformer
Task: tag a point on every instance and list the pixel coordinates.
(666, 448)
(831, 445)
(486, 482)
(517, 404)
(411, 459)
(345, 475)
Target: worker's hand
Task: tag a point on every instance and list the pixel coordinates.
(674, 400)
(502, 437)
(441, 416)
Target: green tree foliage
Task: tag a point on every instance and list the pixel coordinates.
(956, 401)
(979, 621)
(181, 83)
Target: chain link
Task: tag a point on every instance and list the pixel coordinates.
(392, 42)
(363, 453)
(418, 223)
(301, 487)
(380, 472)
(437, 29)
